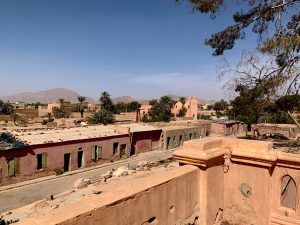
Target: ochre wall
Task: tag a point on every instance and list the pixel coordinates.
(55, 154)
(167, 198)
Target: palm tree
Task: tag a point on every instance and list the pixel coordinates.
(182, 100)
(15, 117)
(81, 105)
(102, 116)
(106, 102)
(61, 101)
(49, 116)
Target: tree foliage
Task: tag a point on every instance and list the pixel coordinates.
(82, 105)
(182, 112)
(277, 26)
(60, 113)
(106, 102)
(161, 110)
(182, 100)
(102, 116)
(288, 103)
(6, 108)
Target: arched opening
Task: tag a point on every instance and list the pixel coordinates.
(288, 197)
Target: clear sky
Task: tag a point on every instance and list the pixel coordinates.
(140, 48)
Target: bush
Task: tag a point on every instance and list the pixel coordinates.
(102, 116)
(60, 113)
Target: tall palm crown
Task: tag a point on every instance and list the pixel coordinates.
(61, 101)
(106, 102)
(81, 106)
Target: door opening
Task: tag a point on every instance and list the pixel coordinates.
(80, 159)
(67, 157)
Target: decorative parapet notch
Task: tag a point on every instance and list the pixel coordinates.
(207, 151)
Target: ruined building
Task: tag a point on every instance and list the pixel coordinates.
(220, 181)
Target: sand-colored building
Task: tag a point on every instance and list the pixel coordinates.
(191, 106)
(220, 181)
(290, 131)
(227, 127)
(31, 153)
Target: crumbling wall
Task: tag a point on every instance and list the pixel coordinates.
(166, 198)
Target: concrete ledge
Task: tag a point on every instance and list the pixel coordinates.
(200, 152)
(124, 203)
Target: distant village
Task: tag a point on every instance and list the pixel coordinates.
(42, 139)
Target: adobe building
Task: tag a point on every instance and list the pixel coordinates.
(42, 151)
(191, 105)
(290, 131)
(175, 133)
(26, 154)
(144, 110)
(221, 181)
(227, 127)
(143, 137)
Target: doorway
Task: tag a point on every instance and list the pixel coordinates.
(123, 151)
(13, 166)
(80, 159)
(67, 157)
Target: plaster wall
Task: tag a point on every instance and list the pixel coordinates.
(55, 154)
(167, 198)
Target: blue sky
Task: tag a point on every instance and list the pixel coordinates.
(128, 47)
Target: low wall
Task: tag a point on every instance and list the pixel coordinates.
(162, 197)
(221, 181)
(242, 181)
(287, 130)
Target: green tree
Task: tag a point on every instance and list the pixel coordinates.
(82, 105)
(49, 116)
(220, 106)
(6, 108)
(15, 117)
(161, 110)
(288, 103)
(61, 101)
(102, 116)
(106, 102)
(133, 106)
(182, 100)
(60, 113)
(182, 112)
(120, 107)
(276, 24)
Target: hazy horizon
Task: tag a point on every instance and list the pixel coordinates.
(140, 49)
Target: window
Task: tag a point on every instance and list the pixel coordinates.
(115, 148)
(180, 140)
(95, 152)
(191, 135)
(41, 161)
(168, 142)
(288, 193)
(67, 161)
(123, 150)
(80, 158)
(13, 166)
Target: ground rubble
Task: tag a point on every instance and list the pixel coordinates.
(83, 188)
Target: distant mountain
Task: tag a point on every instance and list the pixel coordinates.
(46, 96)
(125, 99)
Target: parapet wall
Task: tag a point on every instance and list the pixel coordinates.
(221, 181)
(161, 197)
(244, 182)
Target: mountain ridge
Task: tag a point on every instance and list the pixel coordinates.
(52, 95)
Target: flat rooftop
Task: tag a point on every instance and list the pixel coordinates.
(43, 136)
(139, 127)
(79, 201)
(277, 125)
